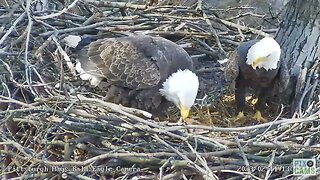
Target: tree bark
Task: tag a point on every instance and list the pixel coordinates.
(299, 35)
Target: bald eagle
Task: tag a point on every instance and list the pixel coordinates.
(257, 64)
(144, 72)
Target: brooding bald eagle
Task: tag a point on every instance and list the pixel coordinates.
(139, 71)
(257, 64)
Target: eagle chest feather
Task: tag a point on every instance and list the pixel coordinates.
(259, 77)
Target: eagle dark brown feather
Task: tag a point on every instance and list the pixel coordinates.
(134, 68)
(282, 79)
(232, 68)
(121, 63)
(265, 83)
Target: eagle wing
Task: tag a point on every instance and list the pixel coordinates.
(122, 63)
(282, 80)
(232, 67)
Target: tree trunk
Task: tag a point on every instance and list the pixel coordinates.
(299, 35)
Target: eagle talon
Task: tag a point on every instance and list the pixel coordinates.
(258, 117)
(240, 116)
(181, 121)
(188, 121)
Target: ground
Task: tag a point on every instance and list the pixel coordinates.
(223, 111)
(47, 125)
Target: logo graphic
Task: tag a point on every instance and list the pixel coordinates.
(304, 166)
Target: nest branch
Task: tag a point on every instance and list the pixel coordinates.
(54, 125)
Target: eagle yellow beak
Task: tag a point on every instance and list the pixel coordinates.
(184, 112)
(257, 61)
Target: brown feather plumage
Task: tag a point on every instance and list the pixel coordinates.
(232, 68)
(282, 80)
(120, 63)
(134, 68)
(265, 83)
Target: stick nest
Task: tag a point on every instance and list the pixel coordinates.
(56, 126)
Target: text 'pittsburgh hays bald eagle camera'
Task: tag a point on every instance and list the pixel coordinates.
(257, 64)
(144, 72)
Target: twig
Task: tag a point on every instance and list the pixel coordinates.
(246, 162)
(243, 28)
(65, 56)
(116, 4)
(233, 8)
(212, 30)
(243, 15)
(64, 129)
(76, 29)
(281, 122)
(10, 100)
(203, 162)
(58, 13)
(14, 24)
(270, 169)
(201, 170)
(28, 30)
(161, 169)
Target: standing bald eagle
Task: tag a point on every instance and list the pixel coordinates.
(257, 64)
(138, 71)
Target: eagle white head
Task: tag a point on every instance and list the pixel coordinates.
(264, 54)
(181, 88)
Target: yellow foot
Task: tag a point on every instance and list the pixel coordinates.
(258, 117)
(188, 121)
(240, 116)
(181, 121)
(254, 101)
